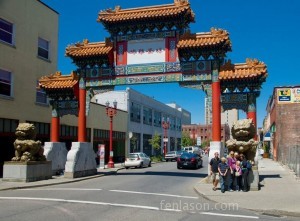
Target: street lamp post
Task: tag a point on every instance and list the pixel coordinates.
(111, 112)
(165, 126)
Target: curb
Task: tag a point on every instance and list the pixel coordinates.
(272, 213)
(63, 182)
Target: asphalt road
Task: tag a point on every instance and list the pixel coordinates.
(161, 192)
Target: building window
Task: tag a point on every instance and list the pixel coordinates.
(6, 31)
(5, 83)
(43, 48)
(147, 116)
(8, 125)
(41, 96)
(135, 112)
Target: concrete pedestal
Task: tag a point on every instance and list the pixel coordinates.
(254, 179)
(17, 171)
(81, 160)
(57, 153)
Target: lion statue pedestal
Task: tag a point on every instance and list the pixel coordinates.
(29, 163)
(243, 132)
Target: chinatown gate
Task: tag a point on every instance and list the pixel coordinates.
(154, 45)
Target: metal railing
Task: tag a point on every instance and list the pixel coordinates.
(293, 159)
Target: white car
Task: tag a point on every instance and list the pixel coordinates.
(172, 155)
(137, 160)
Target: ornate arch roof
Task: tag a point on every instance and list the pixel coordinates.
(216, 37)
(166, 11)
(58, 81)
(252, 69)
(87, 49)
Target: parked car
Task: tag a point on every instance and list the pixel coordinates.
(137, 160)
(189, 160)
(172, 155)
(192, 149)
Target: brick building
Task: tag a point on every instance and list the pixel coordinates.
(283, 112)
(205, 132)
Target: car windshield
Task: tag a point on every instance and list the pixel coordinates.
(171, 152)
(133, 155)
(187, 155)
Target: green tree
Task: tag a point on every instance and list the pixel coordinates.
(186, 140)
(155, 141)
(205, 144)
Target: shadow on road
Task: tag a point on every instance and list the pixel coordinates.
(161, 173)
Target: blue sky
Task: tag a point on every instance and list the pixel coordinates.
(262, 29)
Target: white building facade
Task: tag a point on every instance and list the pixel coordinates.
(145, 116)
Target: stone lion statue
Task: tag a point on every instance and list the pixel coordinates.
(243, 132)
(26, 148)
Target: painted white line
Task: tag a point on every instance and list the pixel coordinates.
(155, 194)
(172, 210)
(229, 215)
(51, 189)
(121, 205)
(82, 202)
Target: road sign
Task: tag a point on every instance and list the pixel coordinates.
(198, 141)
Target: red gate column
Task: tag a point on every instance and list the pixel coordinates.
(216, 105)
(251, 114)
(215, 144)
(82, 110)
(55, 121)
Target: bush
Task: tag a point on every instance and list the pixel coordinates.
(157, 158)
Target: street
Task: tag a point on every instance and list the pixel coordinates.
(161, 192)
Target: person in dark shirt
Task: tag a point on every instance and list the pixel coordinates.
(245, 172)
(214, 172)
(223, 169)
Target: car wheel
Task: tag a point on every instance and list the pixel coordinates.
(178, 167)
(149, 164)
(126, 168)
(167, 160)
(141, 165)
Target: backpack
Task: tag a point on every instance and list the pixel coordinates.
(249, 165)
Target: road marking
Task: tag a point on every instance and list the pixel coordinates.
(121, 205)
(155, 194)
(82, 202)
(84, 189)
(230, 215)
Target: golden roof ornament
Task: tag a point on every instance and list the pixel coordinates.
(217, 31)
(181, 2)
(85, 41)
(117, 8)
(254, 62)
(227, 66)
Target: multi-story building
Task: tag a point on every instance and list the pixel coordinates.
(145, 119)
(283, 112)
(227, 117)
(28, 50)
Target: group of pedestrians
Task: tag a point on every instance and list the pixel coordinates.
(231, 172)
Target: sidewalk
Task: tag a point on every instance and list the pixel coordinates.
(279, 193)
(4, 185)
